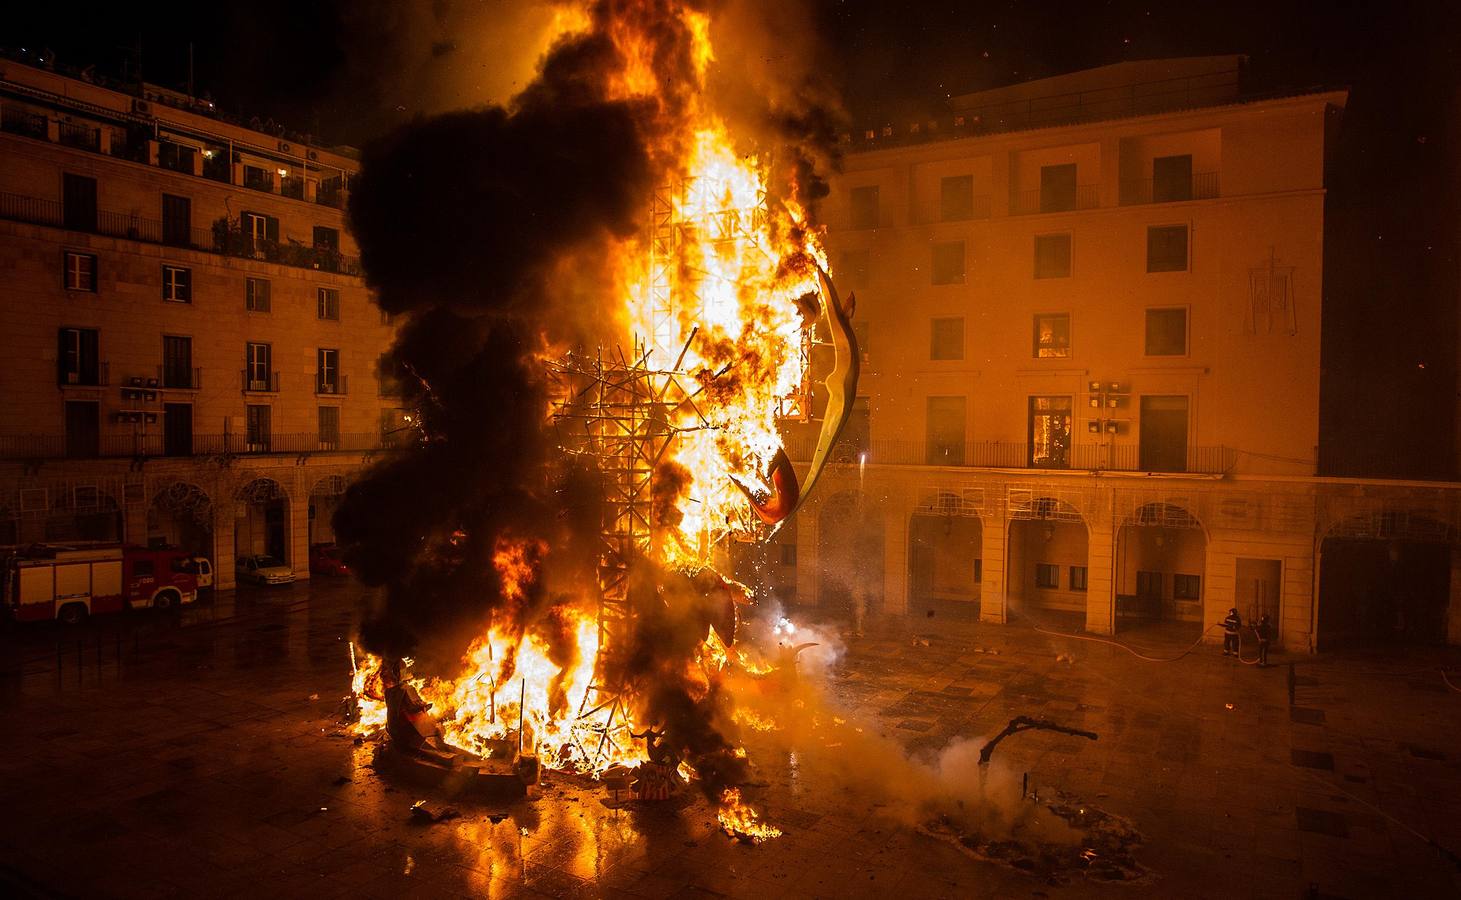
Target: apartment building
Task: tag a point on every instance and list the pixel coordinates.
(1090, 310)
(192, 356)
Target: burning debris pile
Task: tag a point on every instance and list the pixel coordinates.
(606, 294)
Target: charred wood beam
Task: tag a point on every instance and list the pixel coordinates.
(1026, 723)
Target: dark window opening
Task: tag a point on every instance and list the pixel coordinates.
(177, 362)
(1052, 336)
(1166, 248)
(1057, 188)
(946, 429)
(865, 210)
(947, 339)
(1077, 578)
(1166, 332)
(1187, 587)
(1163, 434)
(1052, 256)
(1172, 178)
(77, 356)
(177, 221)
(177, 429)
(948, 262)
(1047, 576)
(956, 198)
(78, 202)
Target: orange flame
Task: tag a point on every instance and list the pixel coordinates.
(741, 821)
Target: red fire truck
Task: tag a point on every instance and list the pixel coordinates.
(73, 582)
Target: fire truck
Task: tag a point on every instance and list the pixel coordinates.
(73, 582)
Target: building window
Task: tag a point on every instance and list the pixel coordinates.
(956, 198)
(177, 284)
(1166, 248)
(1149, 585)
(865, 210)
(1052, 256)
(946, 428)
(948, 262)
(1049, 432)
(177, 362)
(261, 233)
(77, 356)
(1057, 188)
(80, 274)
(1166, 332)
(395, 428)
(1047, 575)
(259, 432)
(329, 304)
(329, 427)
(327, 378)
(1077, 578)
(326, 238)
(788, 554)
(177, 429)
(1163, 434)
(257, 294)
(259, 374)
(1172, 178)
(1052, 336)
(1187, 587)
(947, 339)
(83, 429)
(175, 157)
(177, 221)
(78, 202)
(258, 178)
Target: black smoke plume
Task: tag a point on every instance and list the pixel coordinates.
(491, 234)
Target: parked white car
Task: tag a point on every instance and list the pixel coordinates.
(262, 569)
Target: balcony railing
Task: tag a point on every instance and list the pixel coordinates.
(82, 137)
(53, 446)
(223, 237)
(1201, 186)
(179, 378)
(1025, 203)
(259, 382)
(331, 383)
(1005, 455)
(100, 378)
(23, 122)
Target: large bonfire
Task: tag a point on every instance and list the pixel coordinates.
(530, 236)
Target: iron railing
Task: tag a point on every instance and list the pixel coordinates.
(80, 136)
(180, 378)
(154, 443)
(224, 237)
(267, 385)
(1009, 455)
(1201, 186)
(102, 378)
(333, 383)
(15, 120)
(1025, 203)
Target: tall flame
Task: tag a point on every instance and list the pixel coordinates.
(717, 288)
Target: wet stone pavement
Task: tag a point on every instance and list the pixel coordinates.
(203, 757)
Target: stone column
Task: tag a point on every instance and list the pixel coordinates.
(806, 558)
(299, 530)
(895, 559)
(1101, 577)
(225, 512)
(993, 604)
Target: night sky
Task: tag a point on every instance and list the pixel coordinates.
(334, 69)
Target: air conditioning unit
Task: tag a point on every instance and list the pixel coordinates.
(134, 381)
(152, 382)
(283, 147)
(73, 377)
(141, 106)
(313, 156)
(150, 418)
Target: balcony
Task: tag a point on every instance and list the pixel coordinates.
(1027, 203)
(100, 376)
(331, 383)
(223, 238)
(1202, 186)
(180, 378)
(80, 136)
(129, 446)
(1004, 455)
(259, 382)
(22, 122)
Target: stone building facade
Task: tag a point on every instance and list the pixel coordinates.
(192, 354)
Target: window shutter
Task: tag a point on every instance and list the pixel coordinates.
(62, 349)
(271, 228)
(89, 356)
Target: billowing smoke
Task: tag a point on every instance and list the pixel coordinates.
(492, 235)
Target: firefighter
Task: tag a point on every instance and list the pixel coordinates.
(1230, 632)
(1264, 630)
